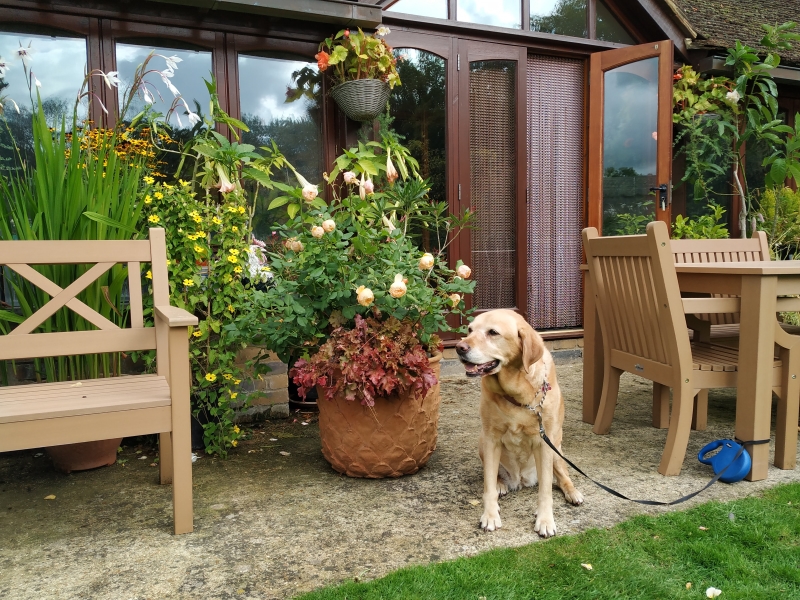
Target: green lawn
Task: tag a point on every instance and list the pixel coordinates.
(748, 549)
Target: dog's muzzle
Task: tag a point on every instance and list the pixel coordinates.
(474, 369)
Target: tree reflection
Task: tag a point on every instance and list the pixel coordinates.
(567, 18)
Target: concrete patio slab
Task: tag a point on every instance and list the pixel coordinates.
(271, 525)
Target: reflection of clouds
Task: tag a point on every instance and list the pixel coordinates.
(188, 78)
(262, 88)
(58, 62)
(502, 13)
(631, 117)
(423, 8)
(543, 7)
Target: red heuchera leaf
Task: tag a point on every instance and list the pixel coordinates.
(375, 359)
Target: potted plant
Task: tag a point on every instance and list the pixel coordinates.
(363, 69)
(360, 304)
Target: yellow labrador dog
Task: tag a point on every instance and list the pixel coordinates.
(518, 382)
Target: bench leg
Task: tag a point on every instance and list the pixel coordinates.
(180, 383)
(165, 457)
(700, 412)
(660, 406)
(788, 408)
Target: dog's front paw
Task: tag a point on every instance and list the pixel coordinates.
(502, 488)
(573, 496)
(491, 521)
(545, 526)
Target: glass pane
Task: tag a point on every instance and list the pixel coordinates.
(59, 64)
(281, 101)
(501, 13)
(564, 17)
(418, 108)
(492, 155)
(630, 128)
(609, 28)
(187, 78)
(424, 8)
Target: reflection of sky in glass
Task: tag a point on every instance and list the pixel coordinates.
(262, 88)
(502, 13)
(188, 79)
(630, 119)
(423, 8)
(59, 63)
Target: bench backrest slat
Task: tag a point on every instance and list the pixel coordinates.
(41, 345)
(73, 252)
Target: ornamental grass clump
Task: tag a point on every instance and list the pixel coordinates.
(374, 359)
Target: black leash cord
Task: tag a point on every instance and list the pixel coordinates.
(649, 502)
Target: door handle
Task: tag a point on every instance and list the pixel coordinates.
(662, 194)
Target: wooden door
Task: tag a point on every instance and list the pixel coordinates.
(491, 170)
(630, 138)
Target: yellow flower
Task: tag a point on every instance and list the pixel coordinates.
(232, 259)
(159, 195)
(201, 233)
(237, 381)
(227, 376)
(188, 282)
(149, 274)
(230, 308)
(241, 210)
(234, 229)
(183, 183)
(236, 429)
(197, 219)
(227, 278)
(216, 221)
(148, 199)
(233, 396)
(235, 443)
(237, 269)
(148, 180)
(153, 218)
(211, 377)
(197, 333)
(198, 249)
(234, 252)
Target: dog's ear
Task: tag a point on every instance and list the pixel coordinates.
(532, 345)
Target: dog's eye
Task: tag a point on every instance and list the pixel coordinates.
(493, 332)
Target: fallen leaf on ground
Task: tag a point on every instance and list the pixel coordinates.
(688, 585)
(713, 592)
(50, 497)
(273, 439)
(303, 423)
(153, 464)
(474, 502)
(284, 453)
(701, 528)
(142, 457)
(586, 566)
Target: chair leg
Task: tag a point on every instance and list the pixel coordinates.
(660, 406)
(608, 400)
(165, 457)
(788, 408)
(700, 412)
(679, 426)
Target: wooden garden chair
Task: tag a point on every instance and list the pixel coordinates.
(52, 414)
(642, 318)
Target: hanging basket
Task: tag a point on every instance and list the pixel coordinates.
(361, 99)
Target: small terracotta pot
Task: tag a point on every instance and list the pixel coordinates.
(84, 455)
(395, 437)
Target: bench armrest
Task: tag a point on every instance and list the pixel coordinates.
(175, 317)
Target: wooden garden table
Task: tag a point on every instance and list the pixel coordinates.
(759, 284)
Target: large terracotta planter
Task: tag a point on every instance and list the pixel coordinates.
(395, 437)
(84, 455)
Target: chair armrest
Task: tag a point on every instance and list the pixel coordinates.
(175, 317)
(701, 306)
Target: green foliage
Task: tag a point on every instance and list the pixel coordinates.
(718, 115)
(703, 227)
(207, 253)
(358, 56)
(77, 188)
(746, 548)
(780, 210)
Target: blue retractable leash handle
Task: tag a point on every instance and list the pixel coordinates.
(730, 459)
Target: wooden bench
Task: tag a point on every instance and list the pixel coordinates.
(52, 414)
